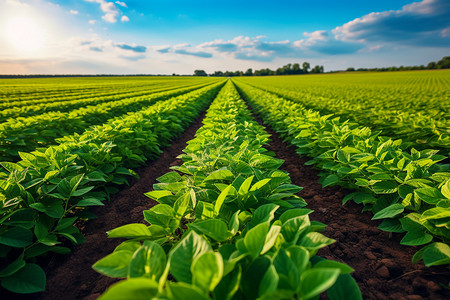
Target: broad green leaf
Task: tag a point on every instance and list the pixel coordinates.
(213, 228)
(219, 175)
(133, 288)
(345, 288)
(183, 291)
(29, 279)
(385, 187)
(271, 238)
(300, 257)
(389, 212)
(115, 264)
(245, 186)
(220, 200)
(130, 231)
(287, 271)
(229, 285)
(169, 177)
(148, 261)
(184, 254)
(13, 267)
(155, 195)
(263, 214)
(416, 238)
(436, 254)
(17, 237)
(207, 271)
(429, 195)
(315, 281)
(294, 227)
(314, 241)
(90, 202)
(435, 213)
(259, 184)
(330, 179)
(269, 282)
(233, 223)
(445, 190)
(255, 238)
(391, 225)
(253, 276)
(344, 269)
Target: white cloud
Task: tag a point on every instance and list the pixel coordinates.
(110, 17)
(123, 4)
(417, 24)
(74, 12)
(92, 22)
(111, 11)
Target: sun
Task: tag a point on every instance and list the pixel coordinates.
(25, 34)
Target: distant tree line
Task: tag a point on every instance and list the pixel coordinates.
(289, 69)
(444, 63)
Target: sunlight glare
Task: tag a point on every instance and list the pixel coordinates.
(25, 34)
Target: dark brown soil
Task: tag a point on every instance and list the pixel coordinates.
(71, 277)
(383, 267)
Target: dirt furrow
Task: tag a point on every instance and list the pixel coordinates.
(71, 277)
(383, 267)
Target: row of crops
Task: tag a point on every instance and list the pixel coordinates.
(228, 223)
(413, 106)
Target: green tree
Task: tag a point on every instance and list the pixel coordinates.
(306, 66)
(200, 73)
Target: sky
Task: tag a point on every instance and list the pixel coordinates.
(180, 36)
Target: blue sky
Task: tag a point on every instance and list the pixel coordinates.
(168, 36)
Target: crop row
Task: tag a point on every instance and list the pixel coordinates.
(65, 106)
(101, 92)
(415, 110)
(46, 192)
(26, 134)
(70, 88)
(410, 191)
(228, 225)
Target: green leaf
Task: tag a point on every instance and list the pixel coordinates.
(385, 187)
(255, 238)
(90, 202)
(389, 212)
(436, 254)
(314, 241)
(207, 271)
(245, 186)
(17, 237)
(264, 213)
(315, 281)
(300, 257)
(130, 231)
(344, 288)
(329, 180)
(445, 190)
(29, 279)
(269, 282)
(169, 177)
(13, 267)
(133, 288)
(148, 261)
(183, 291)
(429, 195)
(220, 200)
(260, 184)
(391, 225)
(252, 277)
(233, 223)
(271, 238)
(416, 238)
(344, 269)
(229, 285)
(184, 254)
(213, 228)
(115, 264)
(219, 175)
(82, 191)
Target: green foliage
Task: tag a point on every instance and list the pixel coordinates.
(234, 228)
(408, 189)
(44, 194)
